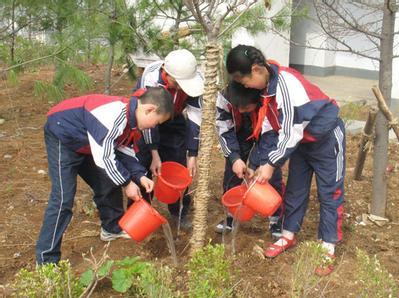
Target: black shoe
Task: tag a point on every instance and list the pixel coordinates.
(276, 229)
(226, 224)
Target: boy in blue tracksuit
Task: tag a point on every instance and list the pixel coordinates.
(296, 121)
(177, 139)
(95, 136)
(237, 112)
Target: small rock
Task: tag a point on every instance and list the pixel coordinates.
(258, 251)
(7, 156)
(42, 172)
(16, 255)
(2, 121)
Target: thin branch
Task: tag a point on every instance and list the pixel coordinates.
(161, 10)
(349, 48)
(235, 20)
(219, 19)
(174, 4)
(308, 46)
(34, 60)
(196, 13)
(355, 26)
(200, 17)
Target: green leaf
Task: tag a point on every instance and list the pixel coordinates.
(128, 261)
(87, 277)
(104, 269)
(121, 280)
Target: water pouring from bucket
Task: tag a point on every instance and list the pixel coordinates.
(232, 200)
(140, 220)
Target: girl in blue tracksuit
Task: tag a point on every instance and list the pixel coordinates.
(297, 121)
(234, 123)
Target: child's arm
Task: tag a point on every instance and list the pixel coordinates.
(225, 127)
(194, 115)
(151, 138)
(292, 100)
(150, 78)
(127, 157)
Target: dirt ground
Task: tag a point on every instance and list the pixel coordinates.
(24, 189)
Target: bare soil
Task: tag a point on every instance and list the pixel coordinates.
(24, 190)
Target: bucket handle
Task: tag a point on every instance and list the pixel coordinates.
(249, 187)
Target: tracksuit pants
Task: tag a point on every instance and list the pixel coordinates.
(326, 159)
(64, 166)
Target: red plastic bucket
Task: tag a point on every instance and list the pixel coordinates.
(172, 182)
(263, 198)
(232, 200)
(140, 220)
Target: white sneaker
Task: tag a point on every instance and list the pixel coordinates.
(107, 236)
(226, 225)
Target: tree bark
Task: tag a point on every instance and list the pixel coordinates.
(108, 73)
(363, 147)
(12, 47)
(379, 192)
(202, 194)
(393, 122)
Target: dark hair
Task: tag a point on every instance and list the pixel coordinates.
(161, 98)
(242, 57)
(239, 96)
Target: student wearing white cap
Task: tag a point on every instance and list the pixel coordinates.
(177, 139)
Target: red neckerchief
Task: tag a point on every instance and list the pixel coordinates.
(131, 135)
(238, 117)
(179, 97)
(262, 113)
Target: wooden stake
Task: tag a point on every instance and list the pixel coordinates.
(365, 142)
(393, 122)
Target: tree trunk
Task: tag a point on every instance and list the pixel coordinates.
(363, 147)
(379, 193)
(108, 73)
(202, 194)
(12, 47)
(89, 8)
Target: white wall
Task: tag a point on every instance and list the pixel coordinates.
(272, 45)
(309, 31)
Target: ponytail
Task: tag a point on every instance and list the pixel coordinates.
(242, 57)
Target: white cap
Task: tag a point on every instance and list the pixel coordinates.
(182, 66)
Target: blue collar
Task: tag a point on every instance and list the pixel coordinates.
(132, 112)
(273, 80)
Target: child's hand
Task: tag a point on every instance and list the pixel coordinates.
(192, 165)
(147, 183)
(249, 174)
(264, 173)
(156, 163)
(239, 168)
(132, 191)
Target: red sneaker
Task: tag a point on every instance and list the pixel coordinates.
(327, 265)
(274, 250)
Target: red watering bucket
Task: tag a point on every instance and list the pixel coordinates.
(172, 182)
(140, 220)
(262, 198)
(232, 199)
